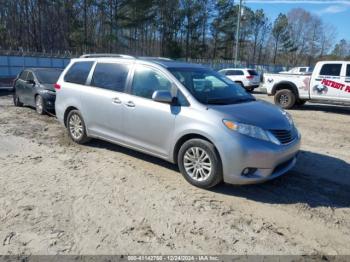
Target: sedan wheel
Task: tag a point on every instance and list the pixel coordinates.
(39, 105)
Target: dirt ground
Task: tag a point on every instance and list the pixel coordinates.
(57, 197)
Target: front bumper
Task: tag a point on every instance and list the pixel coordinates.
(49, 100)
(266, 159)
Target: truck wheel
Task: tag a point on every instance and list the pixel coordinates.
(285, 98)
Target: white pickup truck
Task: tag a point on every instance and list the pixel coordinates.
(329, 83)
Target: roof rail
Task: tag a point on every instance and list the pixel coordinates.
(155, 57)
(105, 55)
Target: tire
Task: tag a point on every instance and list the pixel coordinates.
(40, 105)
(249, 89)
(204, 178)
(285, 98)
(76, 127)
(16, 101)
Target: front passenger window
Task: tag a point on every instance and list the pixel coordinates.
(147, 80)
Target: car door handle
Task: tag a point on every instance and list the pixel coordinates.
(130, 104)
(116, 100)
(318, 79)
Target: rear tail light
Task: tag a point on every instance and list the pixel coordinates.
(57, 86)
(250, 77)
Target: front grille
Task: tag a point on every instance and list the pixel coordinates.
(284, 136)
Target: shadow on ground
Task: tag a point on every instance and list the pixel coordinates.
(336, 109)
(306, 183)
(5, 91)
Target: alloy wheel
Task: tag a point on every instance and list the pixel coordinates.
(197, 163)
(39, 105)
(76, 127)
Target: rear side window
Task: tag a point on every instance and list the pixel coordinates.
(331, 70)
(348, 70)
(78, 72)
(252, 72)
(110, 76)
(302, 70)
(234, 73)
(23, 75)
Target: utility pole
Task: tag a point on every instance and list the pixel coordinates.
(237, 31)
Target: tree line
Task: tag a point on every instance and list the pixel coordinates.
(202, 29)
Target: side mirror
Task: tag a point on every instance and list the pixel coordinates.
(163, 96)
(30, 81)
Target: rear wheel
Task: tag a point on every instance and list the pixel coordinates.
(249, 88)
(76, 127)
(39, 105)
(200, 163)
(16, 100)
(285, 98)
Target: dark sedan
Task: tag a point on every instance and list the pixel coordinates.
(35, 87)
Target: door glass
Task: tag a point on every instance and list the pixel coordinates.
(147, 80)
(348, 70)
(331, 70)
(238, 73)
(110, 76)
(78, 72)
(30, 76)
(23, 75)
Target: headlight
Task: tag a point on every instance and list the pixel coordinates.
(46, 91)
(288, 116)
(249, 130)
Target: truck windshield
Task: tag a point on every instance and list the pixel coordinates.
(209, 87)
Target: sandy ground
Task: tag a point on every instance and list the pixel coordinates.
(57, 197)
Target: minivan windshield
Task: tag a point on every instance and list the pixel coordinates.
(210, 87)
(48, 76)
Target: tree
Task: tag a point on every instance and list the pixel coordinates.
(281, 34)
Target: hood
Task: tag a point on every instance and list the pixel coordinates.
(48, 87)
(258, 113)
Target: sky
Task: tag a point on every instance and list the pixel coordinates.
(335, 12)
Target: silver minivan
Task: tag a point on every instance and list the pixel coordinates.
(184, 113)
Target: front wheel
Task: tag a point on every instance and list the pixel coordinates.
(40, 105)
(285, 98)
(200, 163)
(76, 127)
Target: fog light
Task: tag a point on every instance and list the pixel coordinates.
(248, 171)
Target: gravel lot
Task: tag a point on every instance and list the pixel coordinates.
(57, 197)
